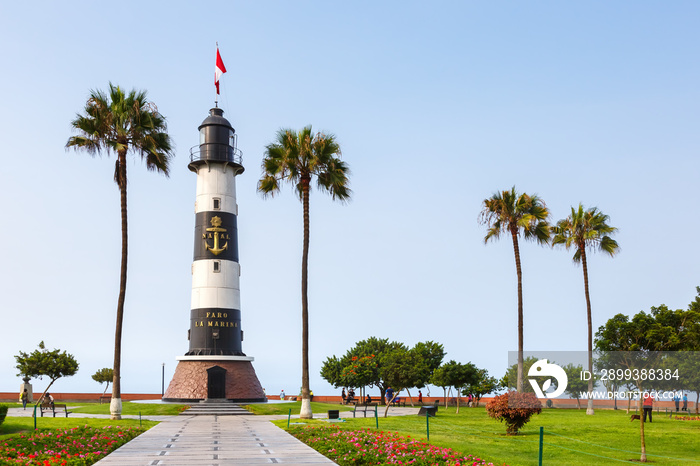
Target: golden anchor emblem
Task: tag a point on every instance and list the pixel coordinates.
(217, 233)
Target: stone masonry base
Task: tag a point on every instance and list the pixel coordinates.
(190, 381)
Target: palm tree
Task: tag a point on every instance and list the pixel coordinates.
(512, 212)
(580, 230)
(120, 123)
(297, 158)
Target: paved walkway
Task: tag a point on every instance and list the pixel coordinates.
(214, 440)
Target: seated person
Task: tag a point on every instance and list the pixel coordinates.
(49, 399)
(368, 399)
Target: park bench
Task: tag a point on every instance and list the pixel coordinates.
(363, 408)
(105, 398)
(53, 408)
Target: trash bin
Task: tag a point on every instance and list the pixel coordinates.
(333, 414)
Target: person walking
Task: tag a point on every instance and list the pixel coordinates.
(677, 401)
(389, 395)
(343, 395)
(685, 402)
(648, 404)
(24, 398)
(282, 395)
(420, 397)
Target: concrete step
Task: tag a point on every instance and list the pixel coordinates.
(222, 408)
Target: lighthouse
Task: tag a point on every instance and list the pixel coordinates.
(215, 366)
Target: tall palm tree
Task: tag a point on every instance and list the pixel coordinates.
(514, 213)
(122, 123)
(581, 230)
(297, 158)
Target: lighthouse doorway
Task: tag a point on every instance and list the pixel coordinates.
(216, 386)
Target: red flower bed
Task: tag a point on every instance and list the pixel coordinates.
(366, 446)
(80, 446)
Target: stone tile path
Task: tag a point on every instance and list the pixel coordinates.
(214, 441)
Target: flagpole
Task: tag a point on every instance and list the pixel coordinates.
(216, 99)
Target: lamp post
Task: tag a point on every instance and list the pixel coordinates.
(162, 385)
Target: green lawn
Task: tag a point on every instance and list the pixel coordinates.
(15, 425)
(570, 437)
(146, 409)
(295, 406)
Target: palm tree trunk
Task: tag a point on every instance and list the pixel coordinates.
(305, 412)
(518, 268)
(589, 407)
(115, 406)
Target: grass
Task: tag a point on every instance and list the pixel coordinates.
(16, 425)
(128, 408)
(295, 406)
(570, 437)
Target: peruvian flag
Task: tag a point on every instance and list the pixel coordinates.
(219, 70)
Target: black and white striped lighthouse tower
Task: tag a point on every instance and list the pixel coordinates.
(215, 366)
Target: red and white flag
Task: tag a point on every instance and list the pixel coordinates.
(218, 70)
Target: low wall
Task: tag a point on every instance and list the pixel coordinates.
(557, 403)
(11, 397)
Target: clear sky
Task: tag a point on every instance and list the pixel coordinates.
(435, 107)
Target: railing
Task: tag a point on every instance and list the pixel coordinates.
(216, 152)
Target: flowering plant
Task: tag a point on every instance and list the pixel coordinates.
(366, 446)
(514, 408)
(79, 446)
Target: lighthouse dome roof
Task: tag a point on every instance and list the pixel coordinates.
(216, 118)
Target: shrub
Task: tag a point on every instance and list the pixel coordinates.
(515, 409)
(3, 413)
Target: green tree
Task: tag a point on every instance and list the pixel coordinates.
(104, 375)
(586, 230)
(364, 365)
(397, 369)
(122, 123)
(575, 385)
(640, 341)
(44, 363)
(511, 376)
(297, 158)
(482, 385)
(332, 370)
(429, 355)
(440, 378)
(512, 213)
(456, 375)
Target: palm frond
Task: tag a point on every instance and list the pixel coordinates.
(116, 122)
(586, 228)
(298, 157)
(521, 213)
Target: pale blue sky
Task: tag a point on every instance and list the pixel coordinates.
(435, 108)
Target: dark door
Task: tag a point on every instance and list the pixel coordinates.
(216, 387)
